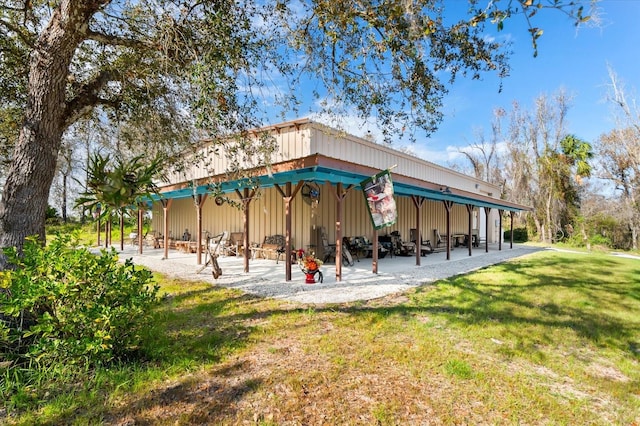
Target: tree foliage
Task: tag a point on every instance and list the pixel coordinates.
(484, 156)
(619, 155)
(543, 165)
(170, 72)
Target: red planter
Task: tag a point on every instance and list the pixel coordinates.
(310, 277)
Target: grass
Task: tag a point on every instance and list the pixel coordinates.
(552, 338)
(86, 233)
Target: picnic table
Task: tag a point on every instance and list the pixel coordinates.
(462, 240)
(188, 246)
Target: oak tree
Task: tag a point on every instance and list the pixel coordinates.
(182, 70)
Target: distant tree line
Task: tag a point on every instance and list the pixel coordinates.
(581, 192)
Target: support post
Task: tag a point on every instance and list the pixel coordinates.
(96, 215)
(374, 255)
(340, 193)
(487, 210)
(448, 205)
(417, 202)
(246, 196)
(199, 201)
(166, 205)
(140, 228)
(500, 229)
(121, 218)
(470, 234)
(511, 213)
(108, 231)
(287, 195)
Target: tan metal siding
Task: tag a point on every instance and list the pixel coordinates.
(302, 139)
(345, 147)
(268, 217)
(291, 143)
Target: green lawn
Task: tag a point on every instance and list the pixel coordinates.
(553, 338)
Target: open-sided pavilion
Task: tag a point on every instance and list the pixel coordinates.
(429, 198)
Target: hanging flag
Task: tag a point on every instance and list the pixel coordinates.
(378, 191)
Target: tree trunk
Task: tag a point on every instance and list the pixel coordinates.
(635, 221)
(26, 192)
(24, 202)
(121, 229)
(539, 228)
(64, 198)
(548, 237)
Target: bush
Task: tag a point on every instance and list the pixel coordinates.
(61, 303)
(520, 235)
(600, 240)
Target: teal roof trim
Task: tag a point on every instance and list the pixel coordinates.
(321, 174)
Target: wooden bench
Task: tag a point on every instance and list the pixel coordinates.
(273, 247)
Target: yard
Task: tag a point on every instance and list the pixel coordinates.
(550, 338)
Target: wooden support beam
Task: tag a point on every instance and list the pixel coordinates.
(140, 228)
(374, 255)
(487, 210)
(199, 202)
(246, 196)
(500, 229)
(418, 201)
(340, 193)
(166, 205)
(470, 230)
(288, 194)
(448, 205)
(512, 213)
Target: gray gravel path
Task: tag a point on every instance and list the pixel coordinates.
(267, 279)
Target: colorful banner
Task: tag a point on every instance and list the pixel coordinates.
(378, 191)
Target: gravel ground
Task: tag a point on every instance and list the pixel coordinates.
(267, 278)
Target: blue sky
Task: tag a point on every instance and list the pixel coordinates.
(575, 60)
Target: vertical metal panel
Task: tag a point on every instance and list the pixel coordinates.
(335, 144)
(182, 215)
(267, 217)
(291, 142)
(300, 140)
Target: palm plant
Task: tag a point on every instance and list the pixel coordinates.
(121, 188)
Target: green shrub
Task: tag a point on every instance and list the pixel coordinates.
(520, 235)
(61, 303)
(600, 240)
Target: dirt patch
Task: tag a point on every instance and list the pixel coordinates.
(607, 372)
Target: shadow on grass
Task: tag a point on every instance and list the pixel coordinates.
(204, 399)
(202, 325)
(201, 330)
(584, 297)
(549, 293)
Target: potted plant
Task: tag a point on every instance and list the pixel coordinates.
(310, 265)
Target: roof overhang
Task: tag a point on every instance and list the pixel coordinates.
(319, 168)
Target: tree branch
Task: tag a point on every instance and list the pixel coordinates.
(26, 37)
(114, 41)
(87, 97)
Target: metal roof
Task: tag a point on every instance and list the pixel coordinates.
(403, 186)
